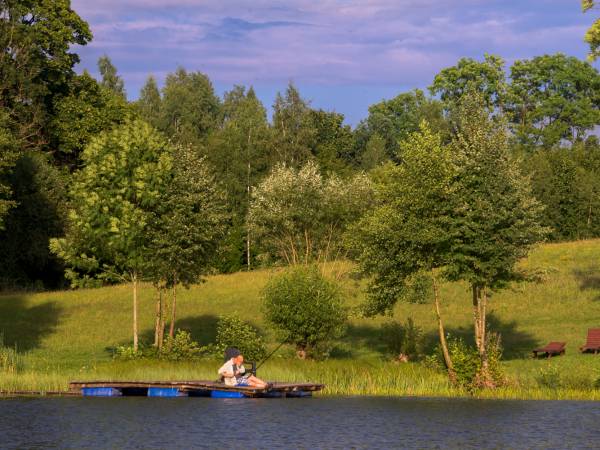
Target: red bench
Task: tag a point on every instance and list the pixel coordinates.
(593, 341)
(552, 349)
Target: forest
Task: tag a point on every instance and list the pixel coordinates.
(49, 114)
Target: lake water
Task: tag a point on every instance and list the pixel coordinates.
(184, 423)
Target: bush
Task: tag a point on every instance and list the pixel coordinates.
(467, 363)
(177, 348)
(402, 339)
(234, 332)
(180, 347)
(549, 377)
(307, 309)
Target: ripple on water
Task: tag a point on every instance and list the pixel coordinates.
(184, 423)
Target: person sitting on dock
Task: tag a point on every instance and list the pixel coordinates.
(233, 371)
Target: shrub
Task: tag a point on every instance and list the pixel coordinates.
(180, 347)
(234, 332)
(549, 377)
(402, 339)
(465, 360)
(467, 363)
(307, 309)
(177, 348)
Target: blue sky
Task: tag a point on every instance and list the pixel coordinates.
(343, 55)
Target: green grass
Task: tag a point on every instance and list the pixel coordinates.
(68, 335)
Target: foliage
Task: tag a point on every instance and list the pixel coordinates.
(86, 110)
(394, 120)
(306, 308)
(495, 220)
(486, 77)
(189, 108)
(592, 35)
(38, 189)
(8, 155)
(187, 223)
(181, 347)
(35, 63)
(334, 142)
(113, 199)
(406, 232)
(149, 102)
(567, 182)
(402, 339)
(110, 80)
(234, 332)
(287, 225)
(294, 132)
(553, 98)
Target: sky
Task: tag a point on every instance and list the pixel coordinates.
(342, 55)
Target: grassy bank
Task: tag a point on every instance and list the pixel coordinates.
(69, 335)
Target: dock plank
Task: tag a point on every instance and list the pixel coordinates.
(196, 385)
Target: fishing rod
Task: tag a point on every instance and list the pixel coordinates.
(254, 369)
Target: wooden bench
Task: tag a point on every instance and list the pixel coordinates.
(593, 341)
(552, 349)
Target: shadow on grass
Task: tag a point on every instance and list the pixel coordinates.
(589, 280)
(516, 343)
(25, 327)
(360, 336)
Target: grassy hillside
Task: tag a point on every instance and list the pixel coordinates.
(64, 335)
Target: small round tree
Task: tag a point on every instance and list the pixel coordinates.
(306, 308)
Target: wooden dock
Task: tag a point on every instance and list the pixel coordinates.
(195, 388)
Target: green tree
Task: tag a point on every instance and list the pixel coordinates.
(567, 182)
(288, 225)
(306, 308)
(184, 231)
(86, 110)
(393, 120)
(294, 133)
(334, 142)
(110, 79)
(408, 232)
(553, 98)
(374, 154)
(486, 77)
(239, 152)
(149, 103)
(190, 109)
(114, 198)
(8, 155)
(592, 35)
(35, 63)
(496, 218)
(39, 213)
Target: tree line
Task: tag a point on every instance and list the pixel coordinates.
(49, 115)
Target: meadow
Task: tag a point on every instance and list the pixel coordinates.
(66, 335)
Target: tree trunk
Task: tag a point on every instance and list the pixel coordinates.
(161, 324)
(173, 308)
(134, 280)
(484, 378)
(443, 342)
(156, 316)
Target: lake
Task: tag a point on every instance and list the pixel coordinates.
(183, 423)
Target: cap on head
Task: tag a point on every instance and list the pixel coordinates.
(231, 352)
